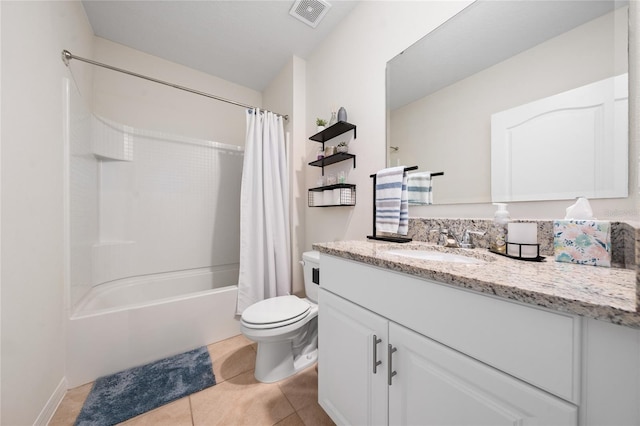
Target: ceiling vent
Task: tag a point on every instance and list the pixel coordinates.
(310, 12)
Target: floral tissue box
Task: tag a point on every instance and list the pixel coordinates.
(585, 242)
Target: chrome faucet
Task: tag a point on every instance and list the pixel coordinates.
(448, 239)
(467, 240)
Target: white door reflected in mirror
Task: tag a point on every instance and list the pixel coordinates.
(573, 144)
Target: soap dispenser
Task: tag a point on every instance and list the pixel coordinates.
(499, 229)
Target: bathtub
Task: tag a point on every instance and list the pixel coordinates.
(133, 321)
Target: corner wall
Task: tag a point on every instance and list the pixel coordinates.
(286, 94)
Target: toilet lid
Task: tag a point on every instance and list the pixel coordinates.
(280, 309)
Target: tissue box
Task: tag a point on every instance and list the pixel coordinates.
(585, 242)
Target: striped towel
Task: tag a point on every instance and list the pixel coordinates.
(392, 207)
(419, 188)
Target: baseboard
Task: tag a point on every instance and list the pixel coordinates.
(52, 404)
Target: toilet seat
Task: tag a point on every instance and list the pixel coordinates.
(275, 312)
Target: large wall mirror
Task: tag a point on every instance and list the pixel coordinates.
(515, 63)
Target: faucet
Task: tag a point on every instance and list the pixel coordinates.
(467, 240)
(448, 239)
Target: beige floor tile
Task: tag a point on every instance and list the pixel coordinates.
(231, 357)
(301, 389)
(237, 399)
(240, 401)
(70, 406)
(314, 415)
(292, 420)
(176, 413)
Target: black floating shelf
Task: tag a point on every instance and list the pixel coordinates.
(339, 185)
(334, 130)
(335, 158)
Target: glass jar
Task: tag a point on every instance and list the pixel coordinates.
(334, 119)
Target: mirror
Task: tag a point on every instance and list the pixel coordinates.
(493, 57)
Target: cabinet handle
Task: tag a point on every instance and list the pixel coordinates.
(376, 363)
(390, 372)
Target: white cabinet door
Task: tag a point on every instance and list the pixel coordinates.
(348, 389)
(436, 385)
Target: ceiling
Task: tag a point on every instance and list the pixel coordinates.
(245, 42)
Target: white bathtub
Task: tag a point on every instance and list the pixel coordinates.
(134, 321)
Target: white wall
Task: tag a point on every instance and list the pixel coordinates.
(148, 105)
(33, 339)
(348, 69)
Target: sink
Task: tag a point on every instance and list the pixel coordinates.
(436, 256)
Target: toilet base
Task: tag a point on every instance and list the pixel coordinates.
(275, 362)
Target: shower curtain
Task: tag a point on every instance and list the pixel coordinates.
(265, 260)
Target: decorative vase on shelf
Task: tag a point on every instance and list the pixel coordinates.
(342, 114)
(320, 128)
(342, 147)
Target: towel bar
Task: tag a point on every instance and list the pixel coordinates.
(374, 236)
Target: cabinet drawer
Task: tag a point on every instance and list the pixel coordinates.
(539, 346)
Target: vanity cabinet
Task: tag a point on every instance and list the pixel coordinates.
(391, 352)
(375, 372)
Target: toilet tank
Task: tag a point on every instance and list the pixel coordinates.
(311, 261)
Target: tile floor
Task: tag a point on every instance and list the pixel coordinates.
(236, 399)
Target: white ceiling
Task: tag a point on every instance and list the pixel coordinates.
(245, 42)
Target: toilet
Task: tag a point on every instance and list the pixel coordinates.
(285, 328)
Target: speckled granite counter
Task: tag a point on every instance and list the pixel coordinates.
(607, 294)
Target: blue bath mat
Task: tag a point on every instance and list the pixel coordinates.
(124, 395)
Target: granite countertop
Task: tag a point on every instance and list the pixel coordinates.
(607, 294)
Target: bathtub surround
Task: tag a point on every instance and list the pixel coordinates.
(145, 202)
(153, 242)
(116, 398)
(265, 255)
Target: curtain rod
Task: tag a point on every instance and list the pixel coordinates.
(67, 56)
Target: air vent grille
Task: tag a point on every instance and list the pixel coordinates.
(310, 12)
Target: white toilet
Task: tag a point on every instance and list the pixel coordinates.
(285, 328)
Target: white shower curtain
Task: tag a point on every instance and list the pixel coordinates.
(265, 260)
